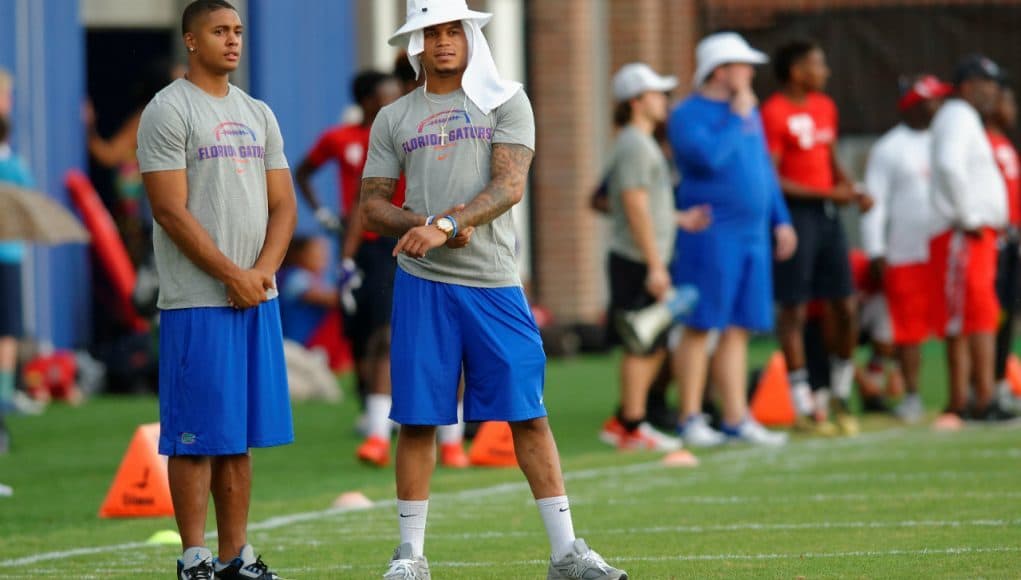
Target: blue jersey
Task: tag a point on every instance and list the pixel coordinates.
(14, 171)
(725, 163)
(299, 319)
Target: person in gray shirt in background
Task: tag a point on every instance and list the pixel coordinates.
(644, 224)
(465, 143)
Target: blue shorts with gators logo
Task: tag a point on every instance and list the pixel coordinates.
(223, 381)
(439, 329)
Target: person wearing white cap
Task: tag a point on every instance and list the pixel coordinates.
(464, 142)
(644, 224)
(720, 149)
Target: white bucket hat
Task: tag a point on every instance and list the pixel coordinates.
(425, 13)
(723, 48)
(637, 78)
(481, 81)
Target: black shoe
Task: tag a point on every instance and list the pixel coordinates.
(247, 566)
(992, 413)
(874, 404)
(201, 571)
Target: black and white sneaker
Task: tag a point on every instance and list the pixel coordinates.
(195, 564)
(247, 566)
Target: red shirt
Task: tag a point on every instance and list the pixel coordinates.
(1010, 168)
(802, 136)
(348, 145)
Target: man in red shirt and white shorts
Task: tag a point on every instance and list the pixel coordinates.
(969, 206)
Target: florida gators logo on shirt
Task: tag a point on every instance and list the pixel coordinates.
(233, 141)
(434, 134)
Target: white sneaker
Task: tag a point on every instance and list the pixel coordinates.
(646, 437)
(583, 563)
(750, 431)
(404, 566)
(696, 432)
(910, 409)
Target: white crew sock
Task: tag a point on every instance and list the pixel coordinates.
(452, 433)
(801, 392)
(195, 555)
(841, 377)
(556, 516)
(377, 413)
(412, 516)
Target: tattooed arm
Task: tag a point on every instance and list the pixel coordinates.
(379, 214)
(509, 174)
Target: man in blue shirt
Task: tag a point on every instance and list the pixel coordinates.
(718, 143)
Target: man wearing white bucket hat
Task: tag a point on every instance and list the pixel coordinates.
(720, 148)
(465, 143)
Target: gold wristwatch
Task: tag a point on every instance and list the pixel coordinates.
(445, 225)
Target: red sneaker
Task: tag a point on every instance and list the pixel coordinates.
(453, 455)
(375, 451)
(613, 431)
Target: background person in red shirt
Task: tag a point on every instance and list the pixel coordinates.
(801, 129)
(1003, 120)
(364, 255)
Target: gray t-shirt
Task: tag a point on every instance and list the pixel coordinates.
(226, 145)
(443, 144)
(637, 162)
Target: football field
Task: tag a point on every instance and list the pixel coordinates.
(895, 502)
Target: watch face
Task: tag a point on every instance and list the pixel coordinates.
(445, 225)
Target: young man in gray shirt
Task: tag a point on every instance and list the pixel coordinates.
(644, 225)
(465, 143)
(213, 165)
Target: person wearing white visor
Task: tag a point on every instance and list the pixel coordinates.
(643, 226)
(464, 142)
(718, 142)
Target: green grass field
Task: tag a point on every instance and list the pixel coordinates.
(895, 502)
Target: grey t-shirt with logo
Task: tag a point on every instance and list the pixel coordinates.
(443, 144)
(226, 144)
(637, 162)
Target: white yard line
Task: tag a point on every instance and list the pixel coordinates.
(964, 550)
(716, 528)
(735, 459)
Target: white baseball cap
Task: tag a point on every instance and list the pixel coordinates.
(637, 78)
(723, 48)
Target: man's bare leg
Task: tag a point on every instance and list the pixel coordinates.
(190, 481)
(232, 492)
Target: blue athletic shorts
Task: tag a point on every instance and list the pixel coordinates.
(734, 279)
(223, 381)
(438, 329)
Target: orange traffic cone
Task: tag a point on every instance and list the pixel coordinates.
(1014, 374)
(493, 446)
(772, 403)
(140, 488)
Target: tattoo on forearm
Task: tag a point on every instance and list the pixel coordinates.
(380, 215)
(509, 171)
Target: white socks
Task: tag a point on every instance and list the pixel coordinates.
(377, 416)
(801, 392)
(196, 555)
(841, 377)
(556, 516)
(412, 515)
(452, 433)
